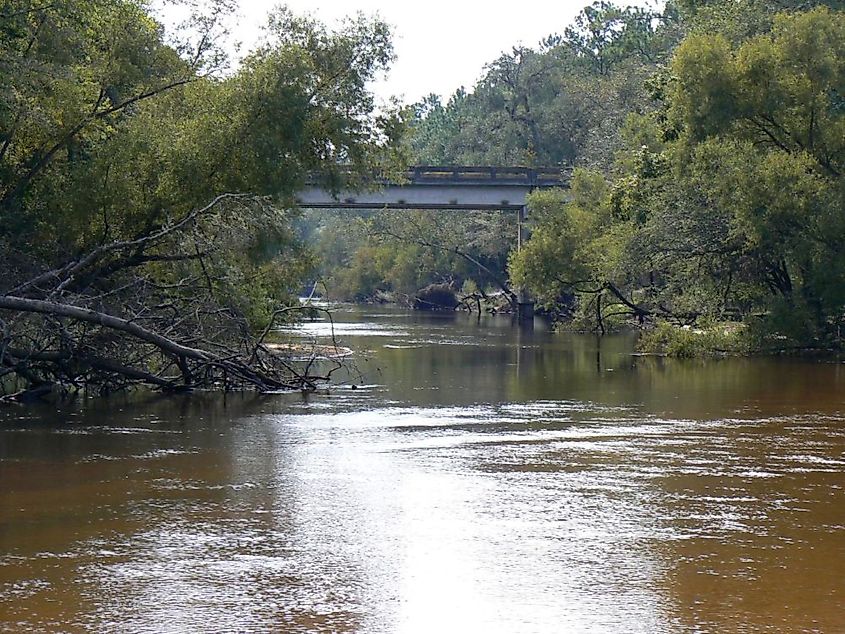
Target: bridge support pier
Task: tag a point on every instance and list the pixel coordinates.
(521, 229)
(525, 313)
(525, 304)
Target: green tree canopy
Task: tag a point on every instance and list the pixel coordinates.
(727, 200)
(140, 184)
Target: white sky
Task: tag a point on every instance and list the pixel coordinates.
(441, 45)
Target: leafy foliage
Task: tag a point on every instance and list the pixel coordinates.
(728, 200)
(563, 103)
(113, 144)
(560, 104)
(394, 254)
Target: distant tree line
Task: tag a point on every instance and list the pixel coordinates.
(708, 142)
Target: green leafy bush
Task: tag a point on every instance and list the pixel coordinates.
(713, 339)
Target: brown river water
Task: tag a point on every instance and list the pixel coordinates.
(477, 479)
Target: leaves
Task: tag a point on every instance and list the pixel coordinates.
(728, 199)
(110, 136)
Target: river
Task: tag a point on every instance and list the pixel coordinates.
(462, 476)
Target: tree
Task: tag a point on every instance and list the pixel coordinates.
(144, 203)
(380, 253)
(726, 202)
(562, 103)
(767, 119)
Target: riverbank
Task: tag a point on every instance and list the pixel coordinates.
(706, 339)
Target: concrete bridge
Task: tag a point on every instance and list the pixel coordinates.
(453, 187)
(450, 187)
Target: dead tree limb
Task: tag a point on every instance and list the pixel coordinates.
(114, 317)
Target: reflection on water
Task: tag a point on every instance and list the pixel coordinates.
(477, 479)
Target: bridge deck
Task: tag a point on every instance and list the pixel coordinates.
(452, 187)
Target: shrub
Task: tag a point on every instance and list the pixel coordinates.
(711, 339)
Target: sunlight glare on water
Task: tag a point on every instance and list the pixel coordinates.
(506, 482)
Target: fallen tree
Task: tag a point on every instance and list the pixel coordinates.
(106, 321)
(123, 261)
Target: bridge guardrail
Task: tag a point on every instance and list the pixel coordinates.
(480, 175)
(462, 174)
